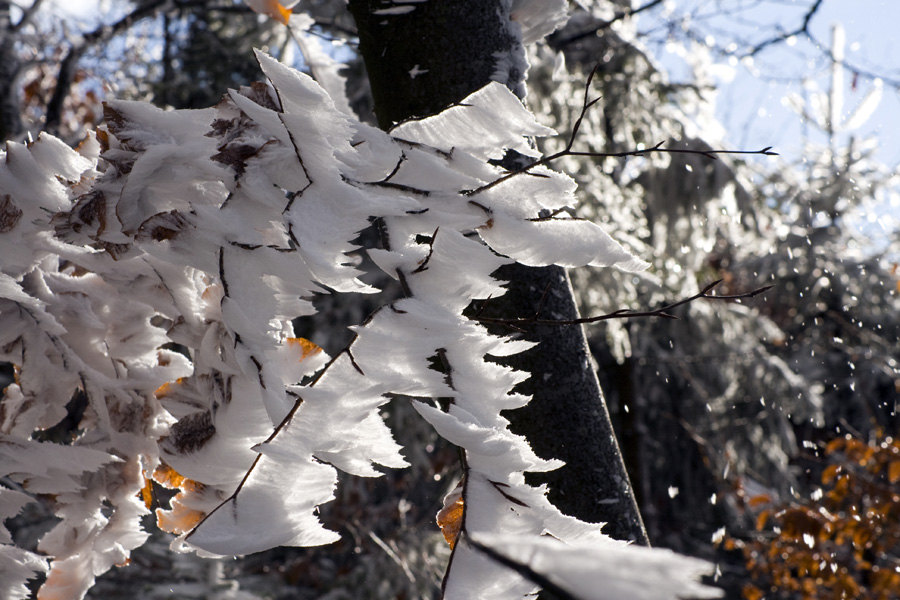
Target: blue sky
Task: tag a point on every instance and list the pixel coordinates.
(751, 105)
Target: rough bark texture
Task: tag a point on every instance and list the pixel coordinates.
(455, 41)
(567, 417)
(437, 54)
(10, 68)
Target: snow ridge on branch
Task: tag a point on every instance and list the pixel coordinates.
(158, 271)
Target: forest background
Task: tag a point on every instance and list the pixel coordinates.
(755, 401)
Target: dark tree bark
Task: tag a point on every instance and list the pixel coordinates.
(451, 43)
(455, 42)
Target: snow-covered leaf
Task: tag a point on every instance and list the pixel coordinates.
(603, 571)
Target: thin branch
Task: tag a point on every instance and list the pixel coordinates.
(423, 266)
(767, 151)
(606, 24)
(27, 15)
(587, 103)
(803, 29)
(522, 569)
(624, 313)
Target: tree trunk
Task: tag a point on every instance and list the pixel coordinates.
(10, 105)
(420, 62)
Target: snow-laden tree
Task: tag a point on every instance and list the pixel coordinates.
(153, 274)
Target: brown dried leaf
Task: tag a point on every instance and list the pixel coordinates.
(179, 519)
(236, 155)
(450, 517)
(9, 213)
(759, 500)
(162, 226)
(189, 434)
(168, 477)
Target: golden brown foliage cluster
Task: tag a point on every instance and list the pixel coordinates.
(843, 541)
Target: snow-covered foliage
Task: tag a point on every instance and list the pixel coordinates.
(152, 275)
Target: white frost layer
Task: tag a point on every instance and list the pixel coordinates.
(275, 506)
(17, 566)
(484, 124)
(607, 571)
(568, 243)
(538, 18)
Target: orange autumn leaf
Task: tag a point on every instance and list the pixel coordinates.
(450, 517)
(894, 471)
(307, 348)
(760, 500)
(166, 389)
(270, 8)
(751, 592)
(761, 520)
(168, 477)
(179, 519)
(835, 445)
(147, 492)
(830, 472)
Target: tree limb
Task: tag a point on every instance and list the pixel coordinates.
(623, 313)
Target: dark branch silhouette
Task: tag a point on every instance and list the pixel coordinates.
(623, 313)
(803, 29)
(567, 151)
(522, 569)
(624, 14)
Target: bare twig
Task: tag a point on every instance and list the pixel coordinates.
(423, 266)
(605, 24)
(623, 313)
(803, 29)
(67, 67)
(587, 103)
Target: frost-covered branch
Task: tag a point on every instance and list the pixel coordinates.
(210, 230)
